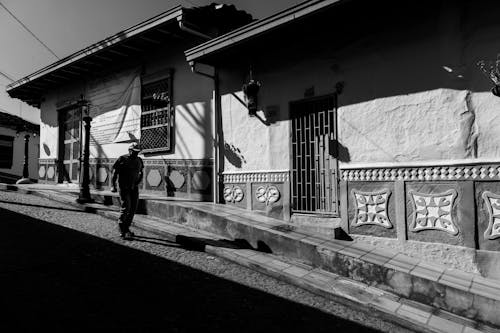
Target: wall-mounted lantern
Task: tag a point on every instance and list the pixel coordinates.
(492, 71)
(251, 90)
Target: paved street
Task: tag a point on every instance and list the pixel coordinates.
(63, 269)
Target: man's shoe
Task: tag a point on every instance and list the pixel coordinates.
(128, 235)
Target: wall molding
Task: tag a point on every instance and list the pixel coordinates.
(414, 164)
(424, 173)
(258, 176)
(147, 161)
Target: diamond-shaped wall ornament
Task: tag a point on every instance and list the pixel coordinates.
(102, 175)
(50, 172)
(154, 178)
(371, 208)
(41, 171)
(433, 212)
(177, 179)
(492, 202)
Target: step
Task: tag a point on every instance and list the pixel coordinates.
(464, 294)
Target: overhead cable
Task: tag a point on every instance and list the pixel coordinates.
(27, 29)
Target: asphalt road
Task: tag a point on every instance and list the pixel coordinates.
(65, 270)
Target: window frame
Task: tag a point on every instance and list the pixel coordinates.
(162, 113)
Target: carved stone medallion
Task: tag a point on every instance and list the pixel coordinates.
(267, 194)
(233, 194)
(433, 212)
(371, 208)
(492, 202)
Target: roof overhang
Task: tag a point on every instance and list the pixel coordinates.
(173, 24)
(203, 52)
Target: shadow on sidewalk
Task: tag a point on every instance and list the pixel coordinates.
(64, 280)
(86, 209)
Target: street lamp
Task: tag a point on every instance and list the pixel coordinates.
(26, 176)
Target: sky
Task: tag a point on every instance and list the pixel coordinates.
(67, 26)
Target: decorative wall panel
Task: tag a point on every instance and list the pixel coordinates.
(267, 194)
(268, 198)
(440, 212)
(433, 212)
(492, 202)
(371, 208)
(235, 194)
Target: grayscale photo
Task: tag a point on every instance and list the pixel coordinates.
(250, 166)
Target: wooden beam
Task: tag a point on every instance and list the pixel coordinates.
(70, 72)
(103, 58)
(154, 41)
(118, 53)
(131, 47)
(60, 76)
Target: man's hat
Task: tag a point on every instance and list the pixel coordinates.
(134, 146)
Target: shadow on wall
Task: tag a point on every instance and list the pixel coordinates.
(406, 58)
(382, 55)
(46, 149)
(193, 133)
(98, 147)
(192, 139)
(234, 155)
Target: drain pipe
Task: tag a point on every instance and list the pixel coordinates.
(218, 167)
(216, 173)
(183, 25)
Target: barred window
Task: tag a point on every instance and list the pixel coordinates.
(157, 116)
(6, 151)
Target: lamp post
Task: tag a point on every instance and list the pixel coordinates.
(26, 176)
(84, 195)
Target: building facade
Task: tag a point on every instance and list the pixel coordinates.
(135, 86)
(14, 131)
(378, 119)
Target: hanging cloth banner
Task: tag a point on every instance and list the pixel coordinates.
(115, 108)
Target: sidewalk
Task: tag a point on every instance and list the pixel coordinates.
(388, 285)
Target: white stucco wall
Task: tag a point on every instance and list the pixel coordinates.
(49, 129)
(412, 94)
(432, 125)
(192, 95)
(18, 156)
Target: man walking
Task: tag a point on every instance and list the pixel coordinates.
(128, 169)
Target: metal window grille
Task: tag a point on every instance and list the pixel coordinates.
(314, 163)
(157, 116)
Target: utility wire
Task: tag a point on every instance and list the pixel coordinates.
(27, 29)
(6, 76)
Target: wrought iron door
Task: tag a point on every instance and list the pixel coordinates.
(314, 164)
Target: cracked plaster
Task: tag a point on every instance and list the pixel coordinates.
(431, 125)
